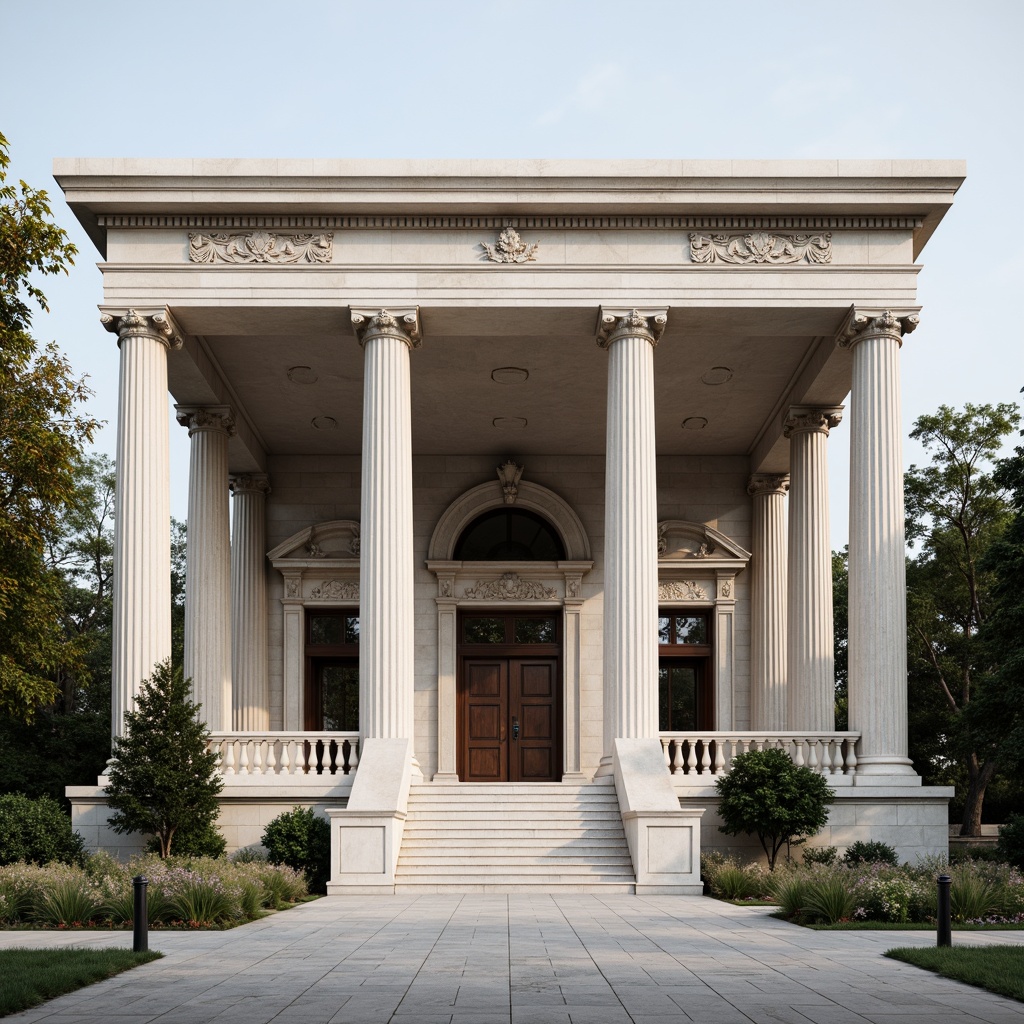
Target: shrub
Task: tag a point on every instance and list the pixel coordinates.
(972, 897)
(824, 855)
(870, 852)
(959, 854)
(302, 840)
(765, 793)
(1011, 841)
(69, 902)
(732, 882)
(829, 898)
(37, 832)
(249, 855)
(790, 890)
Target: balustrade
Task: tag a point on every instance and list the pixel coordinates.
(702, 755)
(286, 753)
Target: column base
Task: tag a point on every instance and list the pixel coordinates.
(885, 770)
(448, 777)
(605, 769)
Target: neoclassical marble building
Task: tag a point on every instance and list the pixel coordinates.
(508, 498)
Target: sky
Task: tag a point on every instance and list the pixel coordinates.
(732, 79)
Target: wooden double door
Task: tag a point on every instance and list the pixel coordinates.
(511, 721)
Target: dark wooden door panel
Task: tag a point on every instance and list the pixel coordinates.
(535, 707)
(485, 714)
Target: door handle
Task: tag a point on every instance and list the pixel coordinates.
(515, 728)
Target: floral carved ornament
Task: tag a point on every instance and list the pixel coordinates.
(260, 247)
(509, 587)
(760, 247)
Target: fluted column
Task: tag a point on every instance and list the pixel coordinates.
(878, 605)
(142, 518)
(386, 641)
(631, 528)
(810, 682)
(768, 601)
(250, 692)
(208, 563)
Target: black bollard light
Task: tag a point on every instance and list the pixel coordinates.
(944, 927)
(140, 915)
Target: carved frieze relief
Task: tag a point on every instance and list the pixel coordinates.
(760, 247)
(510, 248)
(335, 590)
(260, 247)
(681, 590)
(510, 587)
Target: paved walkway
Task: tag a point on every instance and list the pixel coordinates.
(525, 959)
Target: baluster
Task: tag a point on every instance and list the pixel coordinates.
(271, 768)
(705, 758)
(851, 757)
(720, 757)
(691, 756)
(664, 750)
(678, 765)
(229, 757)
(798, 758)
(353, 754)
(826, 757)
(257, 757)
(812, 755)
(286, 762)
(243, 757)
(300, 757)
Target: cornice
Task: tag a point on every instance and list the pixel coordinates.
(426, 222)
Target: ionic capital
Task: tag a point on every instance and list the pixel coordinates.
(614, 323)
(206, 417)
(403, 324)
(811, 419)
(249, 483)
(861, 324)
(157, 324)
(768, 483)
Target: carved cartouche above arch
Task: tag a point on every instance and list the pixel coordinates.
(487, 496)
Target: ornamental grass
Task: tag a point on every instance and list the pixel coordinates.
(197, 893)
(982, 892)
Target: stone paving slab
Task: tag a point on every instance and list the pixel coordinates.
(522, 959)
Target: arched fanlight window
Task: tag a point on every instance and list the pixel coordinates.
(509, 535)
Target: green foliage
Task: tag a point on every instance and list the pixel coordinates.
(971, 896)
(36, 831)
(957, 510)
(29, 977)
(302, 840)
(841, 633)
(825, 855)
(790, 890)
(1011, 841)
(870, 852)
(998, 969)
(42, 436)
(768, 795)
(163, 778)
(828, 898)
(200, 839)
(732, 882)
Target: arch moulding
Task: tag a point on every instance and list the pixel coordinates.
(484, 497)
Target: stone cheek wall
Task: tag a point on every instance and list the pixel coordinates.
(312, 489)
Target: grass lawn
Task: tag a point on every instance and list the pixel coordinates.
(998, 969)
(31, 976)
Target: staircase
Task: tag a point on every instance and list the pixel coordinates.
(536, 837)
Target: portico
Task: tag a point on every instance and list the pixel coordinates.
(438, 540)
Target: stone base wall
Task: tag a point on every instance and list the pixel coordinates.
(911, 820)
(242, 818)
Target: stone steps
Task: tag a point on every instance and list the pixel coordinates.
(547, 837)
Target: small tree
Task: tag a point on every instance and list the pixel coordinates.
(163, 778)
(767, 795)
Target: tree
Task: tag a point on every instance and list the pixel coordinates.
(42, 435)
(766, 794)
(179, 558)
(162, 777)
(841, 633)
(956, 510)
